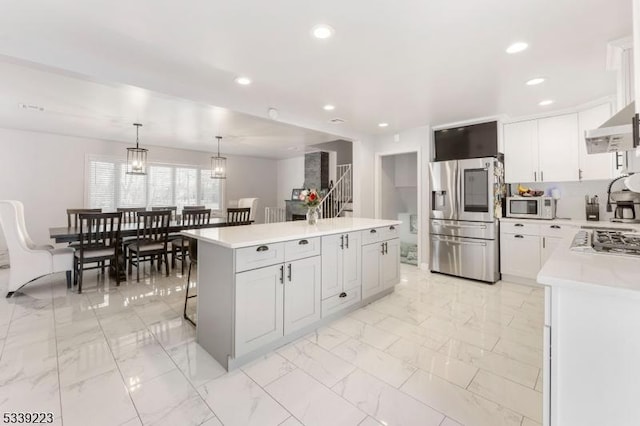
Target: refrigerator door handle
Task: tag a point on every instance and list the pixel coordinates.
(460, 242)
(458, 186)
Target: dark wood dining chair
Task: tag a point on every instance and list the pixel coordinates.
(298, 217)
(129, 213)
(194, 208)
(238, 216)
(99, 242)
(72, 216)
(151, 240)
(172, 209)
(191, 219)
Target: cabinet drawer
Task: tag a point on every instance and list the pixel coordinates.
(372, 235)
(299, 249)
(556, 230)
(258, 256)
(337, 303)
(520, 255)
(523, 228)
(389, 232)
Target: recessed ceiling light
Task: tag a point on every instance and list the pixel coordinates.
(517, 47)
(383, 124)
(545, 102)
(244, 81)
(322, 31)
(328, 107)
(535, 81)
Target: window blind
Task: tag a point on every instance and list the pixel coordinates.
(108, 186)
(102, 188)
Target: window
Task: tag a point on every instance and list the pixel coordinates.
(108, 186)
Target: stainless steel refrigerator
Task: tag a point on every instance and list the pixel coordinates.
(466, 200)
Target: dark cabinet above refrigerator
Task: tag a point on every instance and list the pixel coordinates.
(474, 141)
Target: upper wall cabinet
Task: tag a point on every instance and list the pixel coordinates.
(552, 149)
(558, 148)
(595, 166)
(521, 151)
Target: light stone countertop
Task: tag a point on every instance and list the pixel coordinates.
(573, 222)
(605, 273)
(252, 235)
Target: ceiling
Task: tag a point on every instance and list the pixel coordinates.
(43, 100)
(407, 63)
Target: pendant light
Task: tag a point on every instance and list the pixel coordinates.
(137, 157)
(218, 164)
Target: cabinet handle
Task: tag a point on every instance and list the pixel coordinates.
(392, 228)
(518, 236)
(541, 176)
(518, 224)
(289, 272)
(342, 242)
(303, 242)
(343, 294)
(262, 248)
(373, 231)
(535, 176)
(544, 243)
(634, 126)
(347, 241)
(386, 248)
(555, 226)
(282, 274)
(619, 156)
(382, 247)
(579, 174)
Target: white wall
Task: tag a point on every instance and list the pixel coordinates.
(46, 172)
(290, 175)
(571, 203)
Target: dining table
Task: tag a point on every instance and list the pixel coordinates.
(65, 234)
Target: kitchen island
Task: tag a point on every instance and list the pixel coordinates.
(591, 364)
(262, 286)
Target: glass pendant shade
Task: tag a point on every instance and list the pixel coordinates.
(218, 164)
(137, 157)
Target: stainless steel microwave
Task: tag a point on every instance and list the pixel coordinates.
(531, 207)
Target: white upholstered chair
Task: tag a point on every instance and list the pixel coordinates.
(28, 261)
(252, 203)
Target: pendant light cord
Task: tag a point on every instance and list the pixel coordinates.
(218, 137)
(138, 125)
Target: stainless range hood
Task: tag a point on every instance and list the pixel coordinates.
(619, 133)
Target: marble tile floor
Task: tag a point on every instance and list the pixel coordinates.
(438, 351)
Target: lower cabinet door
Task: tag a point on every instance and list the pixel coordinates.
(371, 284)
(332, 248)
(549, 244)
(302, 295)
(520, 255)
(352, 261)
(259, 308)
(390, 264)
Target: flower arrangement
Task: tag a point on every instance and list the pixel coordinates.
(311, 198)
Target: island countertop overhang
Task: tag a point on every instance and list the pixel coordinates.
(252, 235)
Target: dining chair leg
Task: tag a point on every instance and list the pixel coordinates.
(80, 276)
(137, 267)
(116, 270)
(166, 261)
(68, 279)
(187, 297)
(174, 252)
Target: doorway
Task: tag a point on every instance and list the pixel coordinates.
(399, 199)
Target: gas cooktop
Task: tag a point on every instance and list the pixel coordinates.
(607, 241)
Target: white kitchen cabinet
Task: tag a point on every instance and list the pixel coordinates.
(341, 263)
(390, 264)
(520, 255)
(521, 151)
(552, 149)
(558, 148)
(594, 166)
(525, 245)
(302, 293)
(380, 266)
(259, 308)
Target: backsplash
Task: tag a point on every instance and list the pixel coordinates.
(571, 203)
